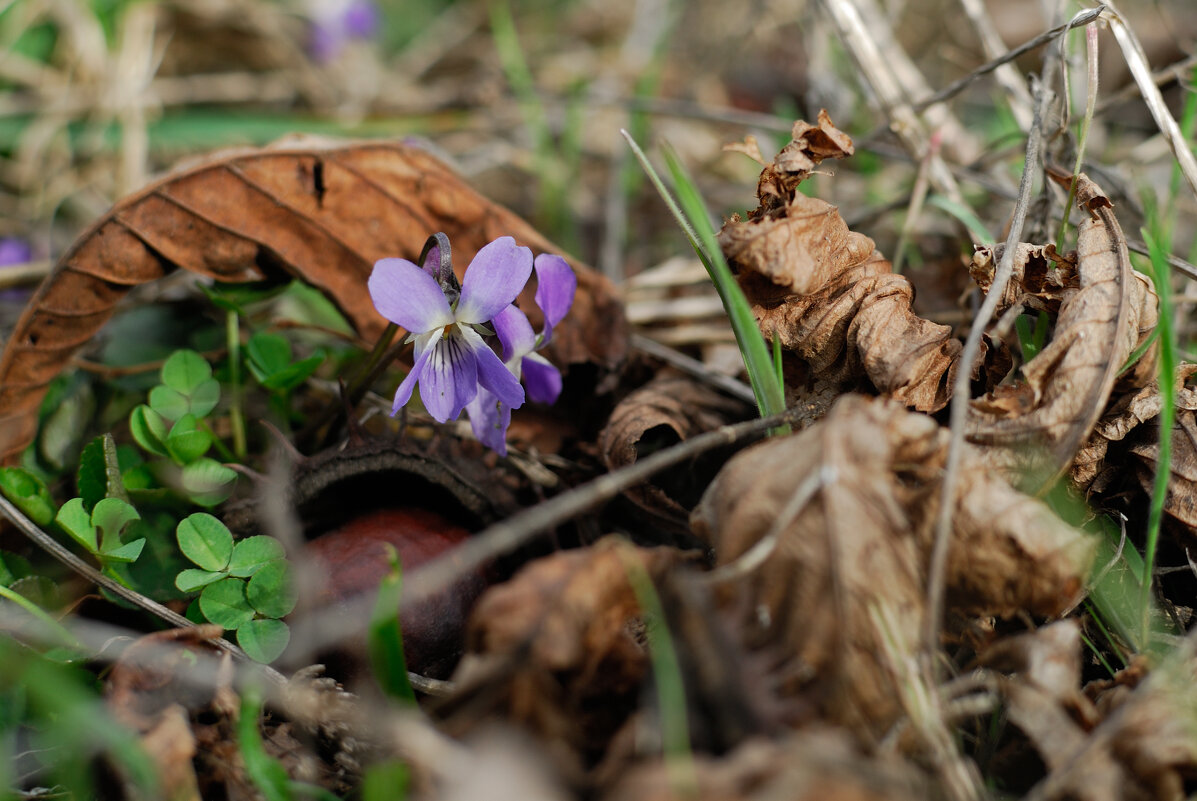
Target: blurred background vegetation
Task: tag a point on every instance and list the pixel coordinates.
(526, 98)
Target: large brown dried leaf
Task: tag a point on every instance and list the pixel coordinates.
(826, 294)
(863, 540)
(1068, 384)
(320, 211)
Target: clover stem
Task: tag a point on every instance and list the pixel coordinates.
(236, 416)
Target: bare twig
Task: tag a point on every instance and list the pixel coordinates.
(1006, 75)
(694, 368)
(878, 70)
(505, 536)
(957, 86)
(960, 391)
(1140, 69)
(59, 552)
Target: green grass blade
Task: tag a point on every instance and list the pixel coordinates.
(385, 637)
(696, 224)
(965, 215)
(1158, 253)
(667, 674)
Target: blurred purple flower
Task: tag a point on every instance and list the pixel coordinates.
(452, 362)
(555, 286)
(335, 22)
(14, 251)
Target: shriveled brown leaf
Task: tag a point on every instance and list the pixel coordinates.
(138, 694)
(1069, 382)
(863, 541)
(1049, 658)
(1122, 423)
(317, 210)
(1041, 280)
(559, 648)
(814, 764)
(1143, 749)
(826, 294)
(1180, 501)
(667, 410)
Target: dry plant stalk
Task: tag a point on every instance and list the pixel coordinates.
(1068, 384)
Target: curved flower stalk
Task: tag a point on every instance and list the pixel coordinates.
(452, 361)
(555, 286)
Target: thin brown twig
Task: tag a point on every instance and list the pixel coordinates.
(956, 87)
(59, 552)
(694, 368)
(937, 568)
(331, 626)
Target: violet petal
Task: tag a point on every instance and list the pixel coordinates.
(489, 419)
(408, 296)
(542, 379)
(555, 287)
(450, 380)
(492, 373)
(423, 352)
(493, 279)
(515, 333)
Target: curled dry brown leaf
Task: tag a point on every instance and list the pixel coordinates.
(826, 294)
(317, 210)
(1144, 747)
(1067, 384)
(668, 409)
(559, 648)
(862, 542)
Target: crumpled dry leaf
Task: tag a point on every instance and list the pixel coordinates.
(1049, 658)
(667, 410)
(817, 764)
(1122, 423)
(1143, 749)
(826, 294)
(1041, 280)
(559, 648)
(1180, 501)
(322, 211)
(1067, 384)
(872, 471)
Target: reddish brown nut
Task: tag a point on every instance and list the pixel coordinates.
(353, 560)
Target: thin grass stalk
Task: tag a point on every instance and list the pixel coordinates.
(696, 224)
(918, 196)
(958, 410)
(1091, 49)
(1136, 60)
(1163, 467)
(232, 330)
(667, 676)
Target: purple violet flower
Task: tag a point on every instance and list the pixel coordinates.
(14, 251)
(452, 362)
(555, 286)
(335, 22)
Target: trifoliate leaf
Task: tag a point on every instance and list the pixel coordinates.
(252, 553)
(224, 603)
(272, 590)
(264, 639)
(205, 540)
